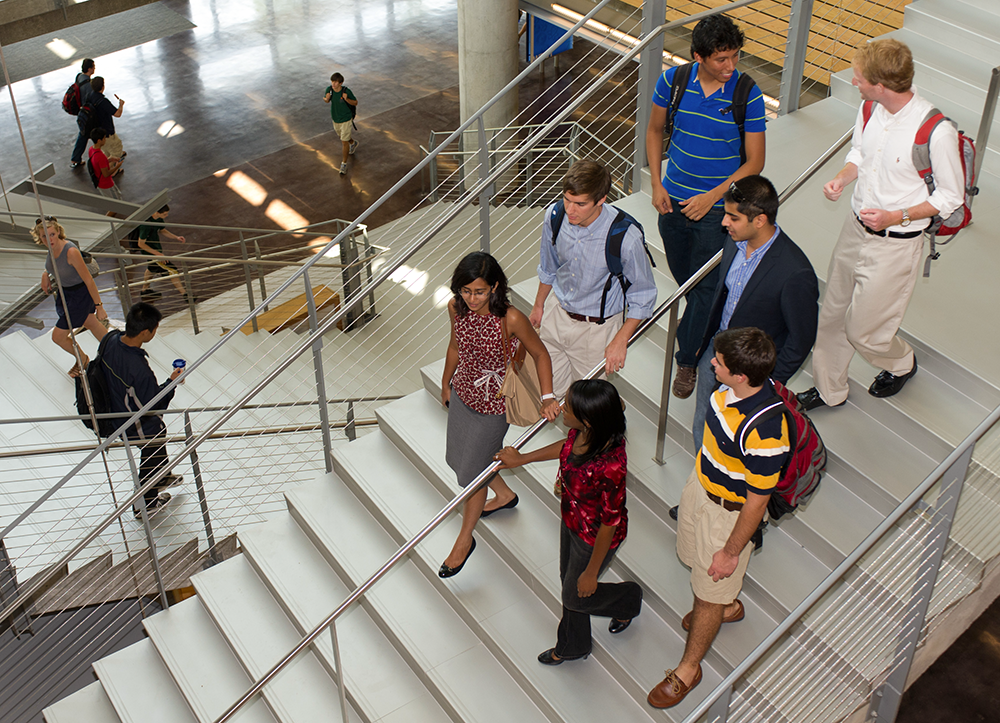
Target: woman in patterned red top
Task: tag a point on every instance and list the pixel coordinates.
(473, 374)
(591, 485)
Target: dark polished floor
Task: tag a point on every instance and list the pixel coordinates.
(242, 93)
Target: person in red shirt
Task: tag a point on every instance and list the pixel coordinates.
(591, 485)
(103, 168)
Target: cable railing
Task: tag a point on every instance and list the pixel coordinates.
(417, 336)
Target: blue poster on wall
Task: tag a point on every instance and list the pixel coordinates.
(541, 34)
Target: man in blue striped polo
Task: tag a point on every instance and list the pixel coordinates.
(707, 152)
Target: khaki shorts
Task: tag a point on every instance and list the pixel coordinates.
(344, 129)
(703, 528)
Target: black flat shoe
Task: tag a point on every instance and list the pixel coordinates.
(548, 657)
(673, 512)
(509, 506)
(886, 384)
(616, 626)
(446, 571)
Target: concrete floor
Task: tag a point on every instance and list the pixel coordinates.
(243, 92)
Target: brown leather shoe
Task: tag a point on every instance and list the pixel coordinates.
(734, 618)
(684, 381)
(671, 690)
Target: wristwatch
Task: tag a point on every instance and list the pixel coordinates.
(906, 217)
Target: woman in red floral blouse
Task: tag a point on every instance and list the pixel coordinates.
(473, 374)
(591, 484)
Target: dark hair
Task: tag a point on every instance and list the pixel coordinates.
(479, 265)
(748, 351)
(97, 83)
(587, 178)
(164, 208)
(336, 78)
(754, 195)
(88, 64)
(596, 403)
(97, 134)
(713, 34)
(141, 317)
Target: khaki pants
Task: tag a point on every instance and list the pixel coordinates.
(868, 288)
(575, 347)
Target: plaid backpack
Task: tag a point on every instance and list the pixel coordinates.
(803, 470)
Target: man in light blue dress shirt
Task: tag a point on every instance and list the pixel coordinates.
(575, 268)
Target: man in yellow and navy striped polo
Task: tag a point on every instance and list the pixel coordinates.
(725, 498)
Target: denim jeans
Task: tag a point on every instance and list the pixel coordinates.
(688, 245)
(79, 148)
(621, 600)
(707, 384)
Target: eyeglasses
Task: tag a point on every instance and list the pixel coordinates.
(736, 193)
(475, 294)
(47, 218)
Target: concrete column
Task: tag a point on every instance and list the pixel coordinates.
(487, 57)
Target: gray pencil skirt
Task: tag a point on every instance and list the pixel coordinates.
(473, 439)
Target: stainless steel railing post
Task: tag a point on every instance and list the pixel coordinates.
(486, 193)
(654, 12)
(190, 298)
(260, 275)
(668, 365)
(796, 44)
(249, 281)
(199, 484)
(317, 350)
(986, 122)
(341, 680)
(884, 703)
(144, 513)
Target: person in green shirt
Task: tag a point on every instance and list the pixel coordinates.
(342, 103)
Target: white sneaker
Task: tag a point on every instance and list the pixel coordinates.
(343, 169)
(353, 147)
(171, 480)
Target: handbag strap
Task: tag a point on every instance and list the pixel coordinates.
(506, 342)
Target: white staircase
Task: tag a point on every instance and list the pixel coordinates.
(418, 648)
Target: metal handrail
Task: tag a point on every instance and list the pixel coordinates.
(845, 566)
(481, 479)
(281, 366)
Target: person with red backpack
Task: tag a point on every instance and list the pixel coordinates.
(876, 261)
(77, 97)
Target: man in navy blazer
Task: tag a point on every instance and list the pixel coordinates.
(766, 281)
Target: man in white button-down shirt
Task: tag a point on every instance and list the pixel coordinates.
(877, 258)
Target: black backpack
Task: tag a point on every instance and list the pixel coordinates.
(612, 247)
(94, 178)
(86, 119)
(741, 95)
(98, 393)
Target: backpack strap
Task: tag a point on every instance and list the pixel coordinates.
(867, 108)
(556, 217)
(769, 409)
(741, 96)
(922, 147)
(682, 76)
(613, 255)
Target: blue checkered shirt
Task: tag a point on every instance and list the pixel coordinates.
(739, 274)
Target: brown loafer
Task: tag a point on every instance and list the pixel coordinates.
(734, 618)
(685, 381)
(671, 690)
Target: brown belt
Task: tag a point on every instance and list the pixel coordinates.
(725, 504)
(581, 317)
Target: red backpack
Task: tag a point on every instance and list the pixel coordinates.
(804, 468)
(962, 216)
(72, 100)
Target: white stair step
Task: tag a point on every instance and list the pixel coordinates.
(506, 610)
(260, 635)
(957, 23)
(200, 661)
(433, 636)
(87, 705)
(379, 681)
(140, 688)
